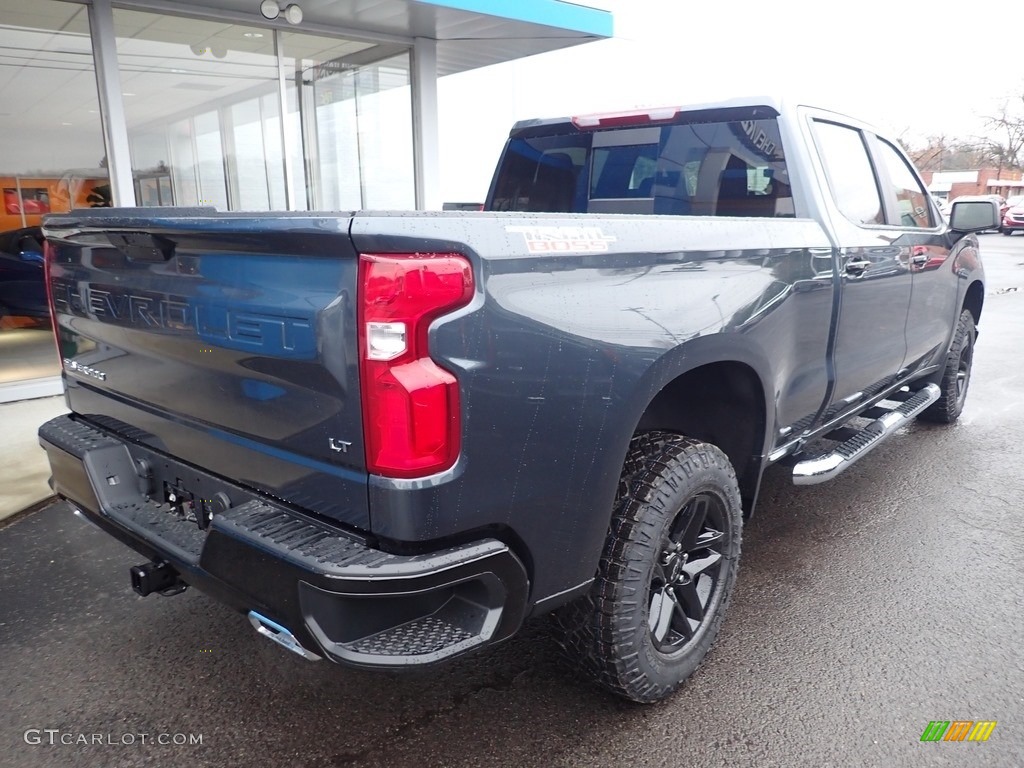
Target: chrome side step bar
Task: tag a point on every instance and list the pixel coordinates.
(822, 468)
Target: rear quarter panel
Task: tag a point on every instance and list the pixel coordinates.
(560, 352)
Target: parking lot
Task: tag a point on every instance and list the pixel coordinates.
(865, 609)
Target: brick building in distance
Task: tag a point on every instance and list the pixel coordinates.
(984, 181)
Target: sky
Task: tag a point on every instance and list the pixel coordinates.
(887, 63)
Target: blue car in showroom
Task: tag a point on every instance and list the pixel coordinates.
(22, 277)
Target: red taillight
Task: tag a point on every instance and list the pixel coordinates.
(618, 119)
(48, 256)
(411, 418)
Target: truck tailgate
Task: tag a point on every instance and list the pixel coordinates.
(230, 341)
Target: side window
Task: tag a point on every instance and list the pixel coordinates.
(849, 172)
(911, 200)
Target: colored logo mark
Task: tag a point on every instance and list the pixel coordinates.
(958, 730)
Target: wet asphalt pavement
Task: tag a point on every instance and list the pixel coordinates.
(865, 608)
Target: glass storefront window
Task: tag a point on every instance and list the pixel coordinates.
(203, 103)
(220, 114)
(51, 160)
(384, 102)
(354, 107)
(210, 176)
(198, 98)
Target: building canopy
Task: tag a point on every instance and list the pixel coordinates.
(469, 33)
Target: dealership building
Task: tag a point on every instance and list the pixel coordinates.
(240, 104)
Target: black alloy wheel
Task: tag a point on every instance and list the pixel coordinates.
(956, 376)
(664, 578)
(963, 369)
(686, 579)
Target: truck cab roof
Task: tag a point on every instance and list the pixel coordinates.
(739, 107)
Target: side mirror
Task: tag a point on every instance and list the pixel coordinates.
(974, 216)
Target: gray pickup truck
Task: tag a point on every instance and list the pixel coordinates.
(390, 437)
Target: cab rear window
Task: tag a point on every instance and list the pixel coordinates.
(735, 168)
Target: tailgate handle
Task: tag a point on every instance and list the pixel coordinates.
(142, 246)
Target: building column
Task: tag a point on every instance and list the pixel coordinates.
(108, 81)
(427, 166)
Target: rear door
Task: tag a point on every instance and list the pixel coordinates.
(226, 340)
(875, 279)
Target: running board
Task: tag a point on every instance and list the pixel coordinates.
(822, 468)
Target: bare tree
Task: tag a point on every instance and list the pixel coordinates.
(934, 156)
(1006, 147)
(940, 153)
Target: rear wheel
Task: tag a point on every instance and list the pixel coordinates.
(957, 375)
(666, 573)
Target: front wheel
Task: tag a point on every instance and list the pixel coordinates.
(666, 573)
(957, 375)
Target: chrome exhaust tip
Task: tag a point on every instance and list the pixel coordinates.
(280, 635)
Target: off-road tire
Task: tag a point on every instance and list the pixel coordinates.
(957, 375)
(667, 481)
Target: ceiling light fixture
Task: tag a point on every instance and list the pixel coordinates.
(271, 10)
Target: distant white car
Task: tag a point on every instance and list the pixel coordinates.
(1013, 216)
(1011, 202)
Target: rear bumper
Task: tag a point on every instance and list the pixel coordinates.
(332, 589)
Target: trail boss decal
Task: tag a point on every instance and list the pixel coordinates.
(564, 239)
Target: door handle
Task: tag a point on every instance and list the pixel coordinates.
(856, 267)
(919, 259)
